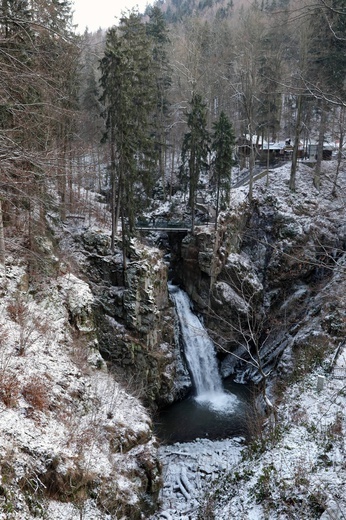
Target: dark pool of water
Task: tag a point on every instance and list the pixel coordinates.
(190, 419)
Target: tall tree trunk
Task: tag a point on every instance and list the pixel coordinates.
(193, 188)
(62, 178)
(113, 191)
(2, 239)
(317, 170)
(124, 237)
(292, 183)
(172, 171)
(70, 179)
(268, 153)
(217, 202)
(251, 167)
(341, 144)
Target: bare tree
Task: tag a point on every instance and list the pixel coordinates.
(243, 330)
(340, 148)
(244, 76)
(2, 238)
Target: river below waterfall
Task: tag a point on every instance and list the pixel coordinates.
(190, 419)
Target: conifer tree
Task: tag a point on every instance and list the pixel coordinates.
(223, 146)
(37, 65)
(327, 64)
(129, 99)
(195, 149)
(158, 32)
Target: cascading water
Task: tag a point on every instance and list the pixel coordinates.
(200, 356)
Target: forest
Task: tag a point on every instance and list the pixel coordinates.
(158, 100)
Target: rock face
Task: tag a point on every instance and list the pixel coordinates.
(265, 280)
(135, 318)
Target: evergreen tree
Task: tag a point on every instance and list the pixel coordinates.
(129, 99)
(37, 67)
(223, 147)
(90, 103)
(328, 46)
(15, 18)
(327, 65)
(55, 14)
(195, 149)
(158, 32)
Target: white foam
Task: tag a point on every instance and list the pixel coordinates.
(222, 402)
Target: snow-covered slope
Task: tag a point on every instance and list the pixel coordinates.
(73, 443)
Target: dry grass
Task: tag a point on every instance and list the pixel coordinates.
(32, 326)
(80, 353)
(35, 393)
(74, 485)
(9, 389)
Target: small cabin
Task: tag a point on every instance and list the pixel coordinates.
(312, 147)
(273, 152)
(279, 151)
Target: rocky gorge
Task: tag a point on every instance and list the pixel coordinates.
(258, 281)
(267, 282)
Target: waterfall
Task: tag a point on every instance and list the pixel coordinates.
(200, 355)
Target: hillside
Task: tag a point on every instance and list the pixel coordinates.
(175, 10)
(73, 442)
(76, 441)
(292, 249)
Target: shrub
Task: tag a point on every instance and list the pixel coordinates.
(35, 393)
(9, 389)
(309, 355)
(31, 326)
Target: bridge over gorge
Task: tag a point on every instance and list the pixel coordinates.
(207, 216)
(163, 225)
(183, 226)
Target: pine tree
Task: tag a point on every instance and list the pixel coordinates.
(223, 147)
(327, 49)
(90, 103)
(158, 32)
(327, 65)
(195, 149)
(15, 18)
(129, 99)
(37, 65)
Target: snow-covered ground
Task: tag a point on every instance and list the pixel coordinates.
(298, 468)
(293, 469)
(73, 443)
(189, 470)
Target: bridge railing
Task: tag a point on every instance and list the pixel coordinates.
(162, 224)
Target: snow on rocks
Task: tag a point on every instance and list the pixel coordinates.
(296, 469)
(78, 300)
(73, 443)
(189, 471)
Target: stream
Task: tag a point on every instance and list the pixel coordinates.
(203, 435)
(189, 419)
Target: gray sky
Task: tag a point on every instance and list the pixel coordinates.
(101, 13)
